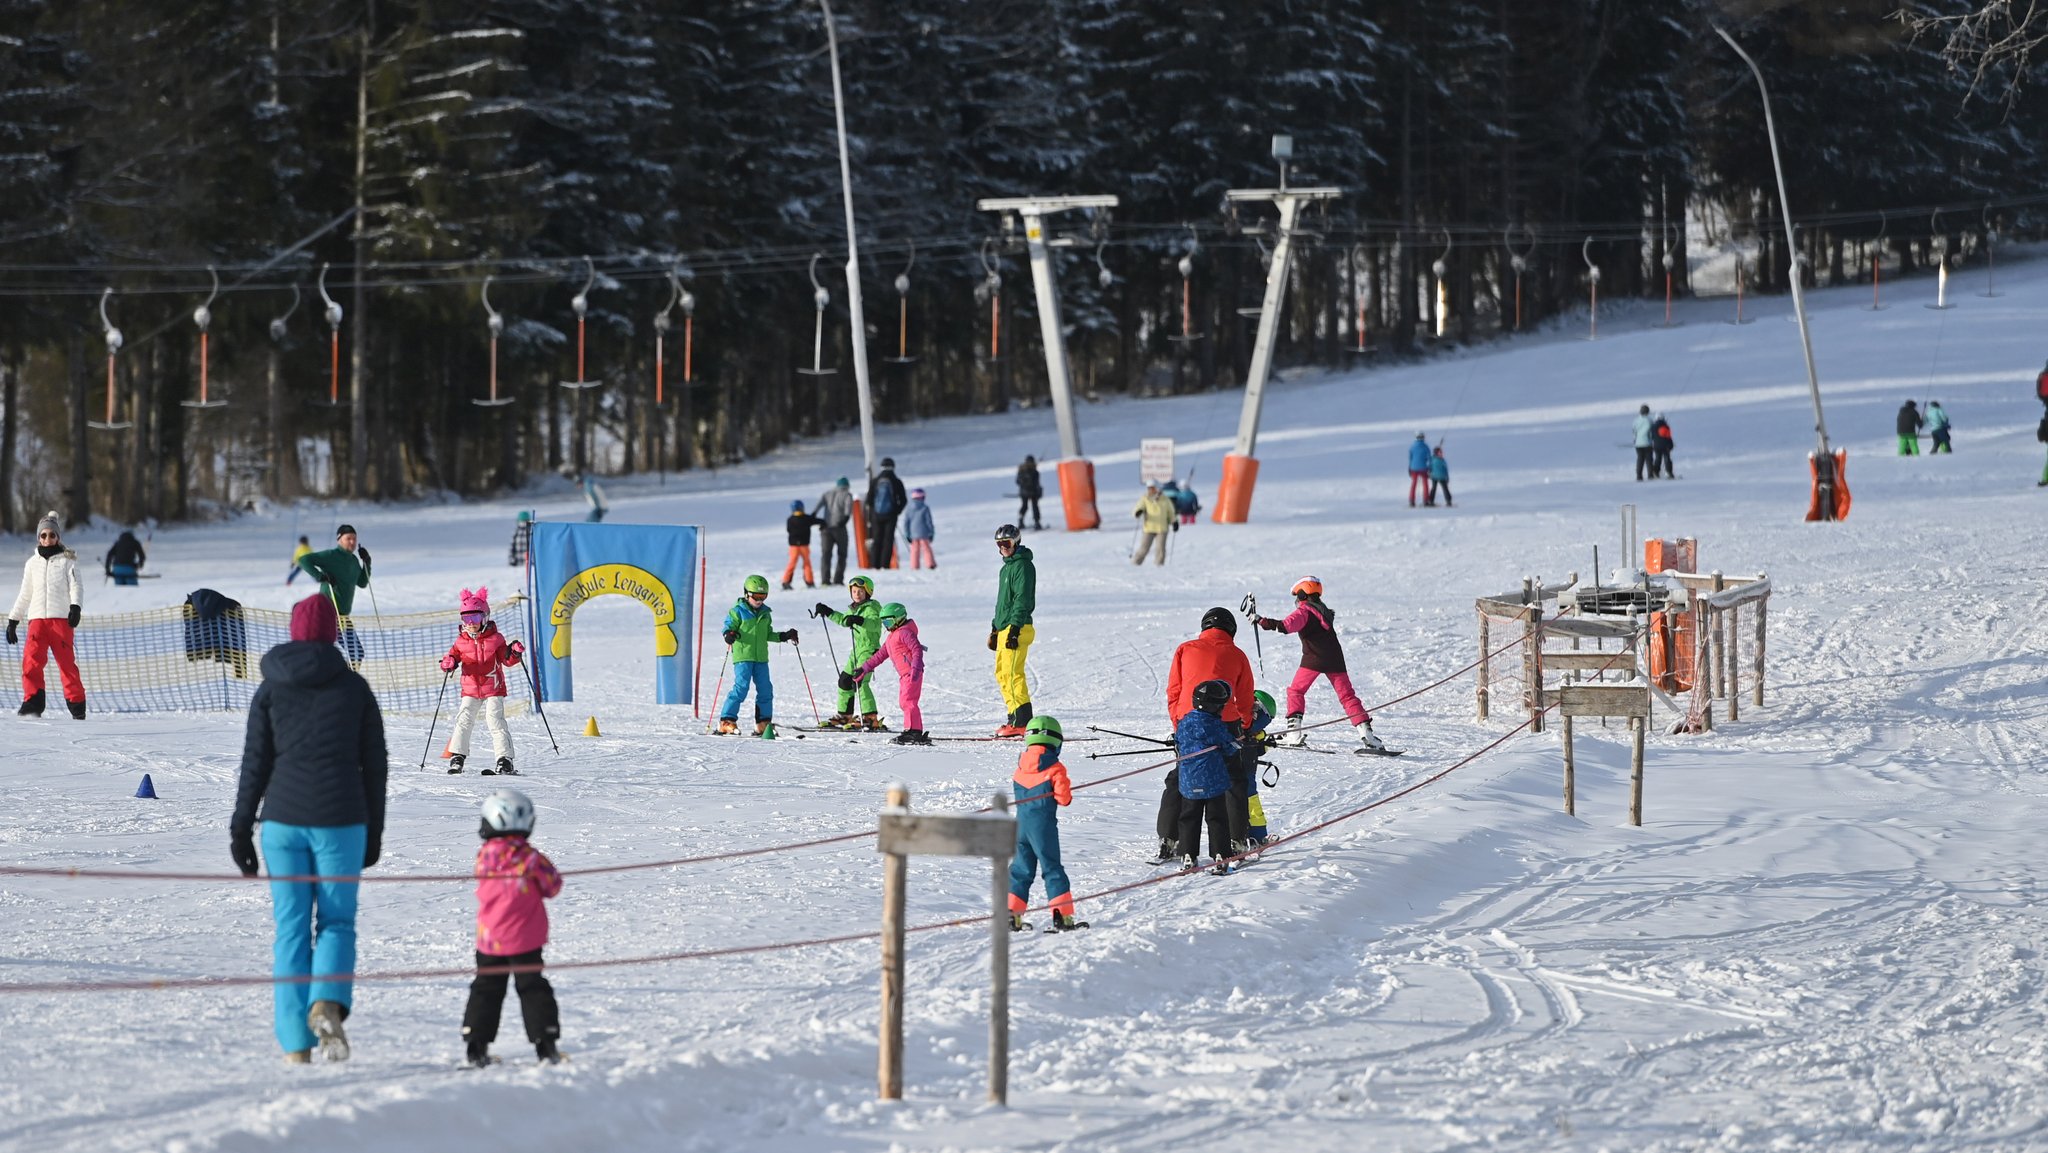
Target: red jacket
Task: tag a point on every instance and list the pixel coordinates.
(1213, 656)
(1037, 766)
(484, 658)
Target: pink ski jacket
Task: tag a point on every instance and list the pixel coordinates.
(484, 658)
(899, 645)
(514, 879)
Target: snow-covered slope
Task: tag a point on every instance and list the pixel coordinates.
(1825, 936)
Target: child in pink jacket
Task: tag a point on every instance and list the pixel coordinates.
(483, 655)
(513, 882)
(901, 646)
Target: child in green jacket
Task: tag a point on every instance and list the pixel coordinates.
(749, 629)
(864, 617)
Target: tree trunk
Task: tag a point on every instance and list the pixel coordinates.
(78, 498)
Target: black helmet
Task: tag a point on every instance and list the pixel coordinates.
(1211, 696)
(1219, 618)
(1008, 532)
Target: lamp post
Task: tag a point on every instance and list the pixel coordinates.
(854, 317)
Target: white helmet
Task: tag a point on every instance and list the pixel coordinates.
(508, 811)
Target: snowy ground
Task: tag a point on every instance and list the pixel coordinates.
(1826, 935)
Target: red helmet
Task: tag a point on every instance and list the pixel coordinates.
(1307, 586)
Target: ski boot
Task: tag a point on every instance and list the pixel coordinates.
(503, 769)
(299, 1057)
(1219, 867)
(455, 762)
(872, 722)
(786, 586)
(1065, 922)
(77, 709)
(547, 1052)
(478, 1055)
(1018, 924)
(1189, 864)
(31, 706)
(840, 721)
(324, 1018)
(1292, 737)
(1257, 846)
(912, 737)
(1169, 851)
(1369, 740)
(765, 729)
(727, 726)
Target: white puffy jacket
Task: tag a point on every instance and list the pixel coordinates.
(49, 587)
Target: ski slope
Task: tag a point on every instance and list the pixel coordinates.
(1825, 936)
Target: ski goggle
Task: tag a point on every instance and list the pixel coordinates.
(475, 618)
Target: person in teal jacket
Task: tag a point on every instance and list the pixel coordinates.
(864, 618)
(1009, 631)
(749, 629)
(1439, 477)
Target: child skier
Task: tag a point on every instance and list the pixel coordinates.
(1937, 427)
(1258, 741)
(799, 526)
(513, 882)
(482, 654)
(1042, 789)
(1439, 476)
(305, 548)
(1184, 501)
(749, 629)
(864, 618)
(903, 648)
(1322, 655)
(917, 531)
(1205, 747)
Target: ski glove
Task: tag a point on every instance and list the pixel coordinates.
(517, 649)
(991, 636)
(363, 554)
(373, 849)
(242, 848)
(14, 637)
(790, 636)
(731, 636)
(1010, 642)
(822, 611)
(448, 663)
(72, 616)
(1176, 526)
(846, 682)
(1267, 623)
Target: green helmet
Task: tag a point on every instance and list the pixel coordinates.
(1265, 701)
(863, 582)
(893, 614)
(1043, 731)
(756, 584)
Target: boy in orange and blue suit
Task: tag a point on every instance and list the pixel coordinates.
(1041, 778)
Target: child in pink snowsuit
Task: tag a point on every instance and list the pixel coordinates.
(483, 655)
(514, 880)
(901, 646)
(1322, 655)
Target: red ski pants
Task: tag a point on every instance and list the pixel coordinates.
(48, 635)
(1297, 694)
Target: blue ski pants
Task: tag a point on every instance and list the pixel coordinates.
(316, 923)
(743, 674)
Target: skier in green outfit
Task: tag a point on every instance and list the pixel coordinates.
(749, 630)
(342, 570)
(864, 618)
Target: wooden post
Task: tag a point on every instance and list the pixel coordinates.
(1703, 637)
(1635, 770)
(999, 974)
(1757, 670)
(1719, 670)
(894, 866)
(1570, 779)
(1485, 665)
(1535, 643)
(1734, 662)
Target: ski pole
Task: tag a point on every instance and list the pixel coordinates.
(1125, 753)
(1250, 605)
(1132, 736)
(719, 688)
(533, 678)
(817, 718)
(438, 697)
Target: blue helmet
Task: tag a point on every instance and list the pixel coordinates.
(796, 506)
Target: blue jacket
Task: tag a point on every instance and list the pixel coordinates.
(917, 521)
(1207, 774)
(1439, 468)
(1937, 419)
(1418, 455)
(314, 750)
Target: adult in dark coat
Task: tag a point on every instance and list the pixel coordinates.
(313, 762)
(1909, 424)
(1030, 489)
(125, 560)
(885, 501)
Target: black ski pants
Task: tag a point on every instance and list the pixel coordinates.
(832, 564)
(1646, 459)
(487, 1000)
(1028, 504)
(1212, 811)
(1239, 799)
(881, 541)
(1168, 824)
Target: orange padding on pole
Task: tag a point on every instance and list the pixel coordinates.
(1234, 492)
(1841, 510)
(1077, 494)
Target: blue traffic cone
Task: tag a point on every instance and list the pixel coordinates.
(146, 790)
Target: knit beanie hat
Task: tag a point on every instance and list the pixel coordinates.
(313, 619)
(49, 524)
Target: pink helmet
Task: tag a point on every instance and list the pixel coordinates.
(475, 602)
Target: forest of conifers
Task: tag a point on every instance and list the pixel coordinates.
(409, 149)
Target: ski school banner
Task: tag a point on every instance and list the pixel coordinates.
(655, 565)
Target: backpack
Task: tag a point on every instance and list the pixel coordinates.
(1662, 431)
(2041, 386)
(886, 502)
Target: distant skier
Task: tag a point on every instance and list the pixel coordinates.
(125, 560)
(833, 510)
(1009, 631)
(749, 629)
(1041, 789)
(1030, 489)
(1183, 498)
(1206, 748)
(1439, 476)
(2041, 386)
(884, 503)
(514, 882)
(593, 495)
(864, 618)
(1418, 467)
(482, 654)
(1322, 655)
(918, 532)
(305, 549)
(798, 528)
(1910, 423)
(1646, 444)
(1155, 519)
(522, 539)
(1660, 440)
(2041, 434)
(900, 646)
(1938, 427)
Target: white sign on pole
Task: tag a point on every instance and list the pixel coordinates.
(1155, 459)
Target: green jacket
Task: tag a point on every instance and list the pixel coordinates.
(756, 628)
(340, 574)
(1016, 590)
(865, 619)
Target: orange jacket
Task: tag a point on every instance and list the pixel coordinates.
(1213, 656)
(1037, 766)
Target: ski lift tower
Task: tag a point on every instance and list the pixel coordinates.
(1241, 467)
(1076, 473)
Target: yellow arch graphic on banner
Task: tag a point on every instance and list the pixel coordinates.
(615, 580)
